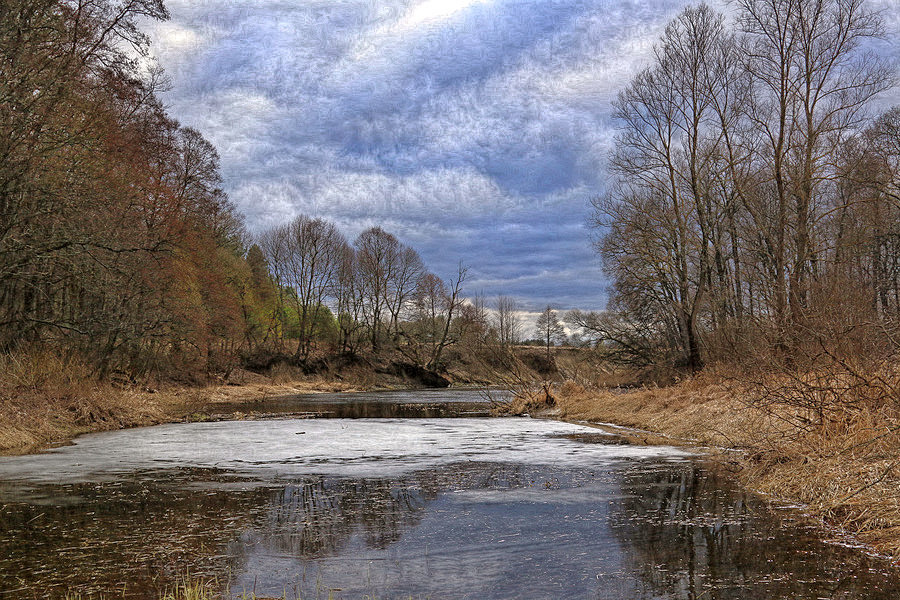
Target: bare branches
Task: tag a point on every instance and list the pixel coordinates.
(739, 196)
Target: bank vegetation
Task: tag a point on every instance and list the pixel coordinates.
(752, 239)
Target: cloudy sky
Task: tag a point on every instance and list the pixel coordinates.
(474, 130)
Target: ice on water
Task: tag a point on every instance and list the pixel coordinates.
(344, 447)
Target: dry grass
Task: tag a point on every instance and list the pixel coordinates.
(697, 411)
(46, 400)
(845, 470)
(533, 399)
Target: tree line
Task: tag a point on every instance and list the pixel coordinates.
(754, 197)
(375, 292)
(116, 239)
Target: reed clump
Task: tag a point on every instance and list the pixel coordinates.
(534, 399)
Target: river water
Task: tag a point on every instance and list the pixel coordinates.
(397, 496)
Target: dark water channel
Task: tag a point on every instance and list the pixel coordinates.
(423, 404)
(452, 507)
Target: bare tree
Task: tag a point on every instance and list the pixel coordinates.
(621, 340)
(664, 157)
(454, 301)
(306, 256)
(350, 302)
(315, 264)
(404, 283)
(509, 328)
(424, 332)
(473, 321)
(811, 83)
(378, 255)
(549, 328)
(275, 246)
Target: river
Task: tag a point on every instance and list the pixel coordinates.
(403, 495)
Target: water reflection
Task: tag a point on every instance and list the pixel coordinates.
(471, 530)
(137, 536)
(316, 519)
(690, 532)
(449, 508)
(402, 404)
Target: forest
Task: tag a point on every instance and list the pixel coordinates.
(752, 215)
(117, 243)
(119, 248)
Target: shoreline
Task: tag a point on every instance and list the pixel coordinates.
(853, 499)
(45, 401)
(36, 420)
(697, 414)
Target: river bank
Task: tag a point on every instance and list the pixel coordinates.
(387, 508)
(843, 474)
(46, 400)
(33, 419)
(631, 488)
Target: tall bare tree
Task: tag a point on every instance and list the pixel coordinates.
(733, 173)
(550, 328)
(509, 328)
(665, 154)
(811, 82)
(403, 285)
(378, 255)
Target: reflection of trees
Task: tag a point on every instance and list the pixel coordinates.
(317, 518)
(363, 409)
(686, 533)
(691, 534)
(148, 531)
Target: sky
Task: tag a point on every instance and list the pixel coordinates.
(474, 130)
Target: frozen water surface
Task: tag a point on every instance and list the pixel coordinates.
(400, 508)
(292, 447)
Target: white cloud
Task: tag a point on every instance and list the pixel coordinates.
(474, 129)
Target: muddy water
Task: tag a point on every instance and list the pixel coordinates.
(456, 507)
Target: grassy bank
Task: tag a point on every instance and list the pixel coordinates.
(844, 471)
(45, 400)
(33, 419)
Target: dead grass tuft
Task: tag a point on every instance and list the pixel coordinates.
(532, 399)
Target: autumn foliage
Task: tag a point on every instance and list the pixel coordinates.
(117, 242)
